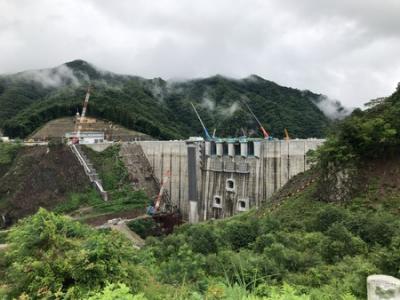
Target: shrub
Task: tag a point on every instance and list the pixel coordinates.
(341, 242)
(240, 233)
(51, 255)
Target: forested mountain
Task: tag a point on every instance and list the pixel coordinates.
(158, 107)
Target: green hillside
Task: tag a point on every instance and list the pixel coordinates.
(157, 107)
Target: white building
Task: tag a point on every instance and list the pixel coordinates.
(86, 137)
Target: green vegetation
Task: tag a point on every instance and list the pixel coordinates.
(54, 257)
(162, 109)
(76, 200)
(115, 178)
(3, 236)
(144, 227)
(367, 134)
(8, 151)
(359, 141)
(299, 247)
(317, 248)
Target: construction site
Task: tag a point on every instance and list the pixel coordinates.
(193, 180)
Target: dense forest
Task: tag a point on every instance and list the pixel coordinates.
(157, 107)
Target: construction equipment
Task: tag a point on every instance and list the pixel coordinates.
(165, 180)
(208, 137)
(78, 126)
(264, 132)
(215, 129)
(164, 214)
(287, 137)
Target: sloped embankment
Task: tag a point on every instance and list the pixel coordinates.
(39, 177)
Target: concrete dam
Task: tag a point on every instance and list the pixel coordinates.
(220, 178)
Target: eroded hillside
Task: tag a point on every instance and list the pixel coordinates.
(39, 176)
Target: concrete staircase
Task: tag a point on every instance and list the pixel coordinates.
(89, 170)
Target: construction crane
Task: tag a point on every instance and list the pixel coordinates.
(287, 137)
(169, 216)
(208, 137)
(164, 182)
(78, 125)
(264, 132)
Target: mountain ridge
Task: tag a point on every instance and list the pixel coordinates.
(156, 106)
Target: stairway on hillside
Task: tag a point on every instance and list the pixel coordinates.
(89, 170)
(140, 171)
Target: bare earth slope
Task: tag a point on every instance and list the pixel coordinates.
(57, 128)
(39, 177)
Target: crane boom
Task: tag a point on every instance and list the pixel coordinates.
(264, 132)
(287, 137)
(78, 126)
(167, 175)
(208, 137)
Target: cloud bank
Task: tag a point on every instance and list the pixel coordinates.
(347, 50)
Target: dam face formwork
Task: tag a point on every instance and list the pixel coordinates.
(220, 179)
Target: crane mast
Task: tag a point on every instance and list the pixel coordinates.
(208, 137)
(78, 125)
(264, 132)
(164, 182)
(287, 137)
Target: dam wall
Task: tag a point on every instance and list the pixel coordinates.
(238, 181)
(172, 156)
(225, 177)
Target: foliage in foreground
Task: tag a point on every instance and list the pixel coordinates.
(315, 247)
(52, 256)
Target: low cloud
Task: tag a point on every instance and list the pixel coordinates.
(230, 110)
(56, 77)
(208, 103)
(332, 108)
(345, 49)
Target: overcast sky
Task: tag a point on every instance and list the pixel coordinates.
(346, 49)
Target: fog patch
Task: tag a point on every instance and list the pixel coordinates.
(208, 103)
(333, 109)
(229, 111)
(56, 77)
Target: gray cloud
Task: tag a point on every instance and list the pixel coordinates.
(52, 77)
(332, 108)
(347, 50)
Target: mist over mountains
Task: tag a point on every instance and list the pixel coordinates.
(162, 108)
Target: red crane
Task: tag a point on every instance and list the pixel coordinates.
(264, 132)
(78, 126)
